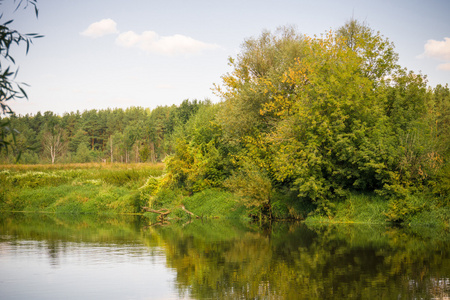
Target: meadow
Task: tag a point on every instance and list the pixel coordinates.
(99, 188)
(75, 188)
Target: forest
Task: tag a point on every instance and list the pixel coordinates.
(132, 135)
(305, 123)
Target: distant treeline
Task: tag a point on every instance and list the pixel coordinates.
(112, 135)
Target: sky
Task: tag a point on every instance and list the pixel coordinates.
(99, 54)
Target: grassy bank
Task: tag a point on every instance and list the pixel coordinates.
(106, 189)
(128, 188)
(208, 204)
(74, 188)
(420, 210)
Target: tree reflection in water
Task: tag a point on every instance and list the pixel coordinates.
(287, 261)
(232, 260)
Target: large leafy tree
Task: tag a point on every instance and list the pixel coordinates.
(326, 115)
(325, 141)
(244, 90)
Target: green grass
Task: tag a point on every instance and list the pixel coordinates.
(415, 211)
(357, 208)
(126, 188)
(84, 188)
(99, 189)
(216, 203)
(207, 204)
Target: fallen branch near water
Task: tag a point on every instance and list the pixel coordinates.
(164, 212)
(191, 213)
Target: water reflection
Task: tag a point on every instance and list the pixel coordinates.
(55, 257)
(126, 257)
(291, 261)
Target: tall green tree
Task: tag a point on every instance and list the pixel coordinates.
(326, 115)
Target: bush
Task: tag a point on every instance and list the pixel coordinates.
(166, 198)
(402, 209)
(286, 205)
(442, 188)
(216, 203)
(149, 190)
(83, 154)
(252, 185)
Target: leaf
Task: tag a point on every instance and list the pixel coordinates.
(8, 22)
(23, 92)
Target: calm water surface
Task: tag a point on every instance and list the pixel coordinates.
(66, 257)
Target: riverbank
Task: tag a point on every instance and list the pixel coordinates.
(421, 210)
(135, 189)
(75, 188)
(107, 189)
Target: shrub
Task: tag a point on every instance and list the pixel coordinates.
(402, 209)
(148, 191)
(216, 203)
(252, 185)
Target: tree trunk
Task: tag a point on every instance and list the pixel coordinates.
(111, 144)
(52, 153)
(136, 153)
(152, 152)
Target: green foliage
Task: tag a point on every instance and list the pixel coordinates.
(286, 205)
(36, 179)
(199, 160)
(332, 115)
(78, 140)
(419, 209)
(442, 188)
(357, 208)
(148, 191)
(167, 198)
(150, 188)
(131, 135)
(305, 123)
(212, 203)
(378, 55)
(83, 154)
(252, 185)
(90, 190)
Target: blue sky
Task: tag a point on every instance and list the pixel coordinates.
(106, 53)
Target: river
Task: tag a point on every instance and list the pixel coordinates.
(44, 256)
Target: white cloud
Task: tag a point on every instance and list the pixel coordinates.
(101, 28)
(151, 42)
(148, 41)
(438, 50)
